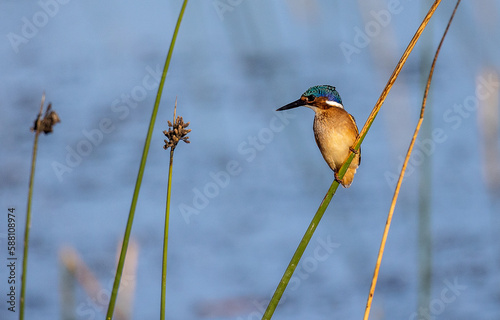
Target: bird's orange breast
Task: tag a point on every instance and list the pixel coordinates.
(335, 131)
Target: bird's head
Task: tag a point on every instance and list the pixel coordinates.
(317, 97)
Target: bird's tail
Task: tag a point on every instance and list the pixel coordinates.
(348, 177)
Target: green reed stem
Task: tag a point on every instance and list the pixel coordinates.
(27, 230)
(425, 187)
(333, 188)
(28, 214)
(165, 239)
(126, 238)
(300, 251)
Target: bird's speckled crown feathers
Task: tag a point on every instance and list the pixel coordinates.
(324, 91)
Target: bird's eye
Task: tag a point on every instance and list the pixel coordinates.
(310, 98)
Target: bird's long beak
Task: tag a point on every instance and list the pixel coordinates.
(292, 105)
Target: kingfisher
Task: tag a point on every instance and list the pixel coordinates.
(334, 128)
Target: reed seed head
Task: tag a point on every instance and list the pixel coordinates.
(177, 132)
(47, 122)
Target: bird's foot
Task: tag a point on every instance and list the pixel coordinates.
(337, 179)
(353, 151)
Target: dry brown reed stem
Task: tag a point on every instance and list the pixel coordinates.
(333, 188)
(401, 175)
(394, 76)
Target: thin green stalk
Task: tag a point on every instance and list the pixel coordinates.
(165, 239)
(300, 251)
(121, 261)
(333, 188)
(177, 132)
(28, 214)
(425, 189)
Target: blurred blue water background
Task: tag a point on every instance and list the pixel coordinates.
(249, 183)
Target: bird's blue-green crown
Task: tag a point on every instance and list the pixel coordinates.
(324, 91)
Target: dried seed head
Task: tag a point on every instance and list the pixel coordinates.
(47, 122)
(177, 132)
